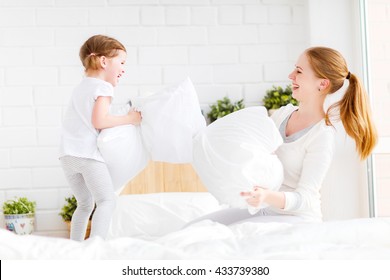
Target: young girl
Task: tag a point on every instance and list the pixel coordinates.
(88, 112)
(308, 134)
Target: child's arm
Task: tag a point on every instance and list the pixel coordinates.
(101, 118)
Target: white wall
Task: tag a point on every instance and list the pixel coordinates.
(237, 48)
(344, 193)
(378, 23)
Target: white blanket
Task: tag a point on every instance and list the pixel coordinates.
(348, 239)
(150, 226)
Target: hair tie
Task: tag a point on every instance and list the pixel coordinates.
(348, 76)
(92, 54)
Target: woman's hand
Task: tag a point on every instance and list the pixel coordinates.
(261, 195)
(256, 197)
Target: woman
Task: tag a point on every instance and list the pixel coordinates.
(308, 135)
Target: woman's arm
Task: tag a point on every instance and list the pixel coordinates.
(318, 153)
(101, 118)
(261, 195)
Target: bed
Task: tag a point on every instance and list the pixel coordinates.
(154, 207)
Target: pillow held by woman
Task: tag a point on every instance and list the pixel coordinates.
(236, 153)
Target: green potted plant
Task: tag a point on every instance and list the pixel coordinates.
(277, 97)
(19, 215)
(223, 107)
(67, 211)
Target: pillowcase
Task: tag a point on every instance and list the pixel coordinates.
(170, 120)
(123, 152)
(235, 153)
(156, 214)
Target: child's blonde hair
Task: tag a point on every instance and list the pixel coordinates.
(97, 46)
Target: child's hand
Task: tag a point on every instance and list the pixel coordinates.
(135, 117)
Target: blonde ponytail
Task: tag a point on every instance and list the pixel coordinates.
(355, 115)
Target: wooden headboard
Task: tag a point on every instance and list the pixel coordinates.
(165, 177)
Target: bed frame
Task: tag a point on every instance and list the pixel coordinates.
(165, 177)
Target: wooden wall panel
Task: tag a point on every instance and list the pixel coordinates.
(165, 177)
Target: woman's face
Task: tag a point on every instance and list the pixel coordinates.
(115, 68)
(303, 79)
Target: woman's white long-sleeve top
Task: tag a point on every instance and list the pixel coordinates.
(306, 161)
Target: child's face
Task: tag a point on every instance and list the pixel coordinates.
(115, 68)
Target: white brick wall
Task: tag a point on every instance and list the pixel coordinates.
(235, 48)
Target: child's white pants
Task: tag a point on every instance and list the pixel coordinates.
(91, 183)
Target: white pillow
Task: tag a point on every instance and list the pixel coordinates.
(124, 153)
(156, 214)
(170, 119)
(235, 153)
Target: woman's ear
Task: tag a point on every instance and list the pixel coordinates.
(324, 84)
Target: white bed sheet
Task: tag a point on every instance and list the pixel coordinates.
(346, 239)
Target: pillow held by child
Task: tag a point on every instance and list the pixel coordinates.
(170, 120)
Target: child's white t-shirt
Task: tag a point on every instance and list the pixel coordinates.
(78, 134)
